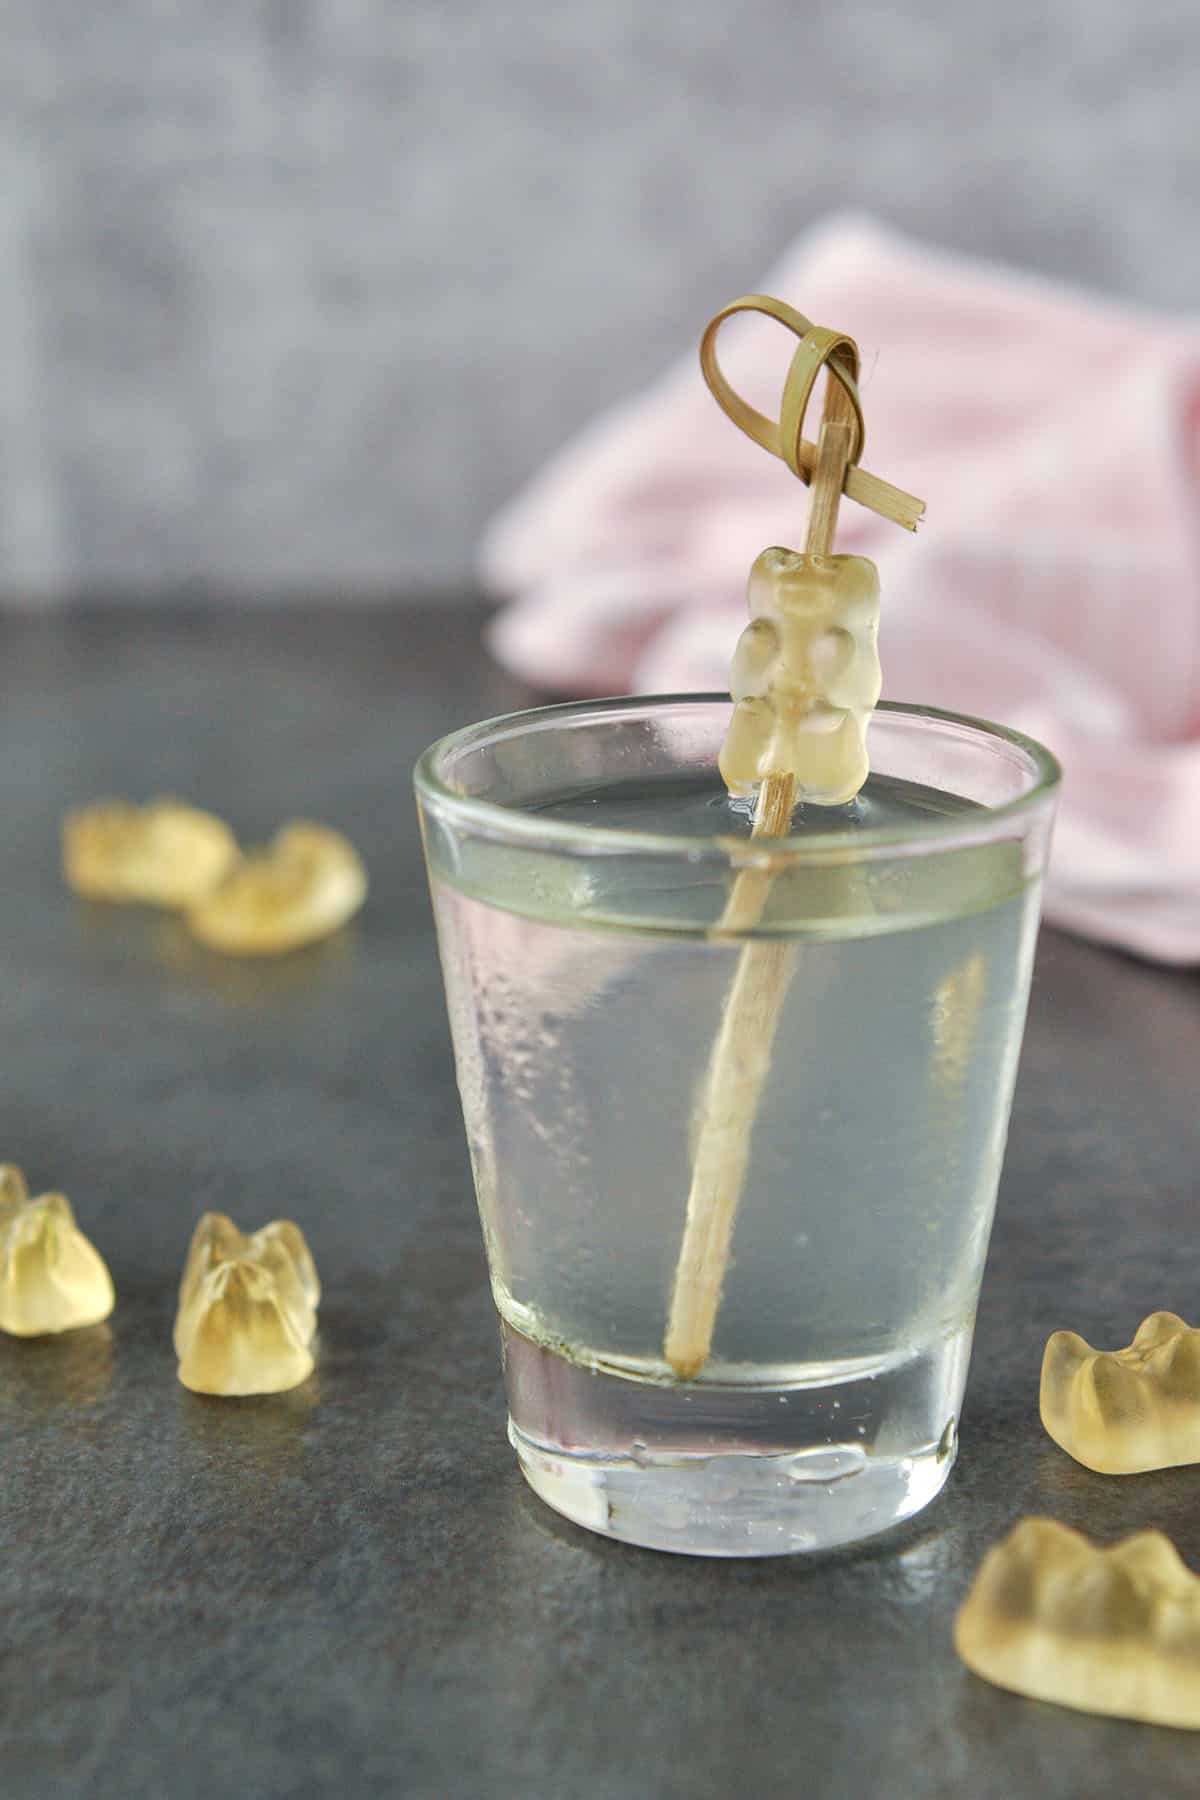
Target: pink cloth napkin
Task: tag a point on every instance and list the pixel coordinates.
(1055, 585)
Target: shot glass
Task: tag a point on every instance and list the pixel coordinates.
(580, 859)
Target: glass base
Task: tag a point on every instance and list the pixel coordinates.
(745, 1505)
(713, 1470)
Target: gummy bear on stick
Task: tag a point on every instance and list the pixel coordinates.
(805, 676)
(805, 679)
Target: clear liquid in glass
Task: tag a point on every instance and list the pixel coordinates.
(583, 1028)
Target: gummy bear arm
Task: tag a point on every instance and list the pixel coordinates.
(757, 649)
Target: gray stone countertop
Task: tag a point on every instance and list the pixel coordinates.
(346, 1590)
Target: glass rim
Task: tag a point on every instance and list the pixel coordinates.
(531, 830)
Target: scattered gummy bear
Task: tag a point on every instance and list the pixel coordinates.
(805, 676)
(1056, 1617)
(247, 1309)
(162, 854)
(51, 1278)
(304, 885)
(1123, 1411)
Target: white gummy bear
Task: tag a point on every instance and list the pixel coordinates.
(805, 676)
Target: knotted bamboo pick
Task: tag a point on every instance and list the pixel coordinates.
(741, 1056)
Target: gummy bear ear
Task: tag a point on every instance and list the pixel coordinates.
(217, 1233)
(291, 1241)
(56, 1206)
(13, 1191)
(215, 1239)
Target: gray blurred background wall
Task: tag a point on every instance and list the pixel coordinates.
(293, 294)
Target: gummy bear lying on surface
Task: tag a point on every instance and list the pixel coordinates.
(161, 854)
(305, 884)
(51, 1278)
(301, 887)
(1123, 1411)
(247, 1309)
(805, 676)
(1054, 1616)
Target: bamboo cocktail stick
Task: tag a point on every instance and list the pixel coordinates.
(741, 1056)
